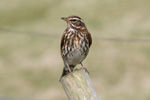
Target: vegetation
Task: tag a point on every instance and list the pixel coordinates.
(31, 65)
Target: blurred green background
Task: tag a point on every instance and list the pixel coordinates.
(31, 65)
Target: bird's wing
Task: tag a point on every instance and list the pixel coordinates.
(62, 44)
(90, 39)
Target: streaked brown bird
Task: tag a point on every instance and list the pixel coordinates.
(75, 43)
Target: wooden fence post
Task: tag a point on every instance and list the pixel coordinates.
(78, 86)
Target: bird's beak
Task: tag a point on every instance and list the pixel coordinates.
(64, 18)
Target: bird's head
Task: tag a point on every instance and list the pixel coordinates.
(74, 22)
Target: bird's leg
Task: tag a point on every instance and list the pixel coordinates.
(82, 65)
(66, 70)
(68, 67)
(84, 68)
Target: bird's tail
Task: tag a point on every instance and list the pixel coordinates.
(66, 70)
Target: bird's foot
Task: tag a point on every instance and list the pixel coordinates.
(86, 70)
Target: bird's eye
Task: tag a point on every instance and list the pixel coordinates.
(73, 20)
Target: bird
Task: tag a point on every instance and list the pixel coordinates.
(75, 43)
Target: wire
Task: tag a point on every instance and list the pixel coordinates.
(16, 98)
(122, 39)
(95, 38)
(29, 33)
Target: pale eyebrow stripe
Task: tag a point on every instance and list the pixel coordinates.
(78, 19)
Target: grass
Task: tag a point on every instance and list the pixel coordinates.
(30, 65)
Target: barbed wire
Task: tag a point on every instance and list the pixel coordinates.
(29, 33)
(16, 98)
(95, 38)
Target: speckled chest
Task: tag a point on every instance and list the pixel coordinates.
(76, 46)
